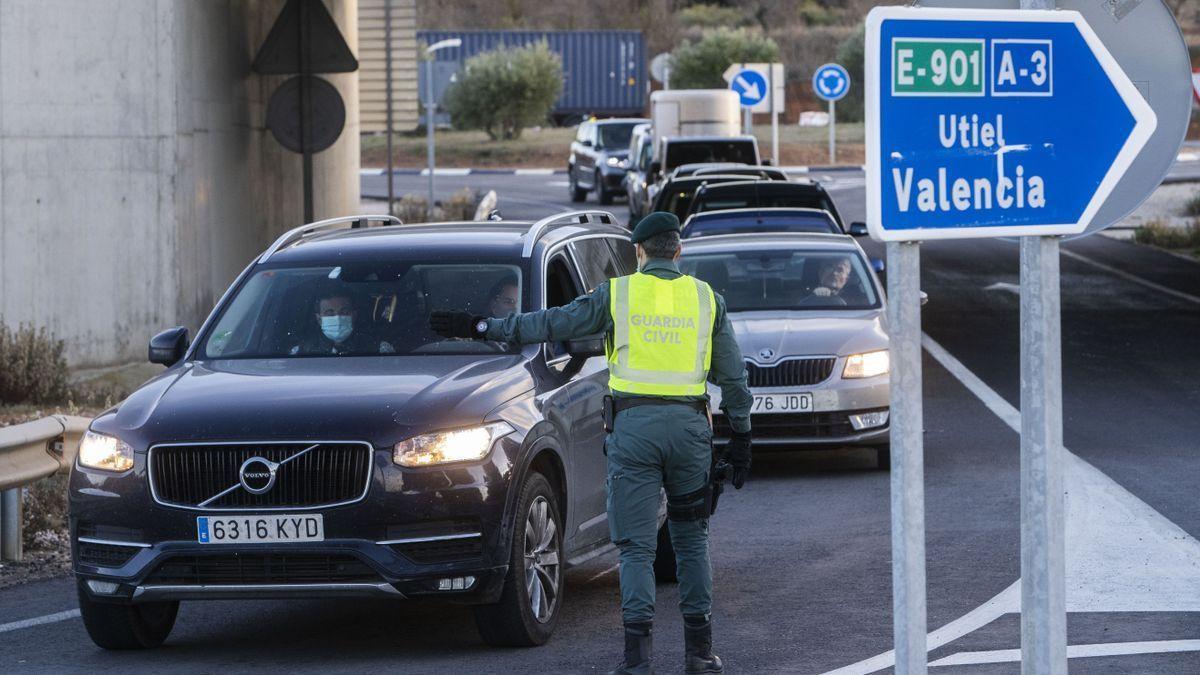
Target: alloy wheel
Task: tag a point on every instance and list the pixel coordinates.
(542, 569)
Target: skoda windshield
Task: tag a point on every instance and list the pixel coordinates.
(360, 309)
(753, 281)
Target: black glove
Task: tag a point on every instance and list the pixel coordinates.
(737, 453)
(453, 323)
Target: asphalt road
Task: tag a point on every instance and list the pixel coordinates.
(801, 556)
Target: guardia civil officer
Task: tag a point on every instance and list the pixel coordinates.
(666, 334)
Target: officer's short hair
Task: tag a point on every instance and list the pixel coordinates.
(662, 245)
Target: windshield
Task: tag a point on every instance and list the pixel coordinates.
(615, 135)
(705, 152)
(720, 223)
(362, 309)
(785, 280)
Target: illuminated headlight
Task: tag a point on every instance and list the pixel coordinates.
(869, 420)
(615, 161)
(866, 365)
(97, 451)
(444, 447)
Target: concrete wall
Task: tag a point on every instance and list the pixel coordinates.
(136, 175)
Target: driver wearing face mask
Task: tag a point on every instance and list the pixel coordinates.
(335, 316)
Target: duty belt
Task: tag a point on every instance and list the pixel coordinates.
(626, 402)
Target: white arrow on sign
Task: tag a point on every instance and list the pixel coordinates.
(750, 88)
(770, 72)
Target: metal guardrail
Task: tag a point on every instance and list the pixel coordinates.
(30, 452)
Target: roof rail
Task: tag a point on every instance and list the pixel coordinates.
(352, 222)
(568, 218)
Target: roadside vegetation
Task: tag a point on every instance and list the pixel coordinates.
(504, 91)
(35, 382)
(1185, 239)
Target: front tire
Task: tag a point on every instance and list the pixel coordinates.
(665, 571)
(577, 193)
(528, 608)
(883, 457)
(603, 194)
(126, 626)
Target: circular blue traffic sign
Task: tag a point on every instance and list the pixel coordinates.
(750, 86)
(831, 82)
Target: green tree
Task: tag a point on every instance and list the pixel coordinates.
(505, 90)
(850, 55)
(701, 64)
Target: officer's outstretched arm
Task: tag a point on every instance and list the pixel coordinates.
(583, 316)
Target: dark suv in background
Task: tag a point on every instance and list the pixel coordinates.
(599, 158)
(317, 439)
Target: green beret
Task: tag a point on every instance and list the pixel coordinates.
(654, 223)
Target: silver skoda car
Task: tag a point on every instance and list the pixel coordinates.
(810, 317)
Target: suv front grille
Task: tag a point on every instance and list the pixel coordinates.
(262, 568)
(191, 475)
(792, 373)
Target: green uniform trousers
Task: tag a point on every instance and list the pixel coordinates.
(655, 447)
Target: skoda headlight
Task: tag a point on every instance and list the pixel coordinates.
(614, 161)
(97, 451)
(444, 447)
(869, 364)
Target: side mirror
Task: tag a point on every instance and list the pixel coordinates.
(767, 162)
(858, 229)
(924, 298)
(587, 143)
(655, 167)
(878, 265)
(168, 347)
(586, 347)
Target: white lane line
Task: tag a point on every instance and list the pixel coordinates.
(1122, 555)
(533, 172)
(607, 571)
(1130, 277)
(40, 620)
(1073, 652)
(1004, 286)
(447, 172)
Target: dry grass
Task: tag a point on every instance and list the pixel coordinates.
(1157, 233)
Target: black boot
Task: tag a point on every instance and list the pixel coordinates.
(697, 646)
(638, 651)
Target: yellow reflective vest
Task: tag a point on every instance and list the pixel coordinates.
(662, 335)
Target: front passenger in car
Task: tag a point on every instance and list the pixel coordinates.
(334, 331)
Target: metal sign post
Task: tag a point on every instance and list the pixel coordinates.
(985, 123)
(908, 456)
(831, 82)
(431, 107)
(387, 54)
(774, 116)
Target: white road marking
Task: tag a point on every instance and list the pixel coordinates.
(371, 172)
(1073, 652)
(1131, 277)
(557, 183)
(533, 172)
(40, 620)
(1122, 555)
(447, 172)
(1004, 286)
(1187, 157)
(607, 571)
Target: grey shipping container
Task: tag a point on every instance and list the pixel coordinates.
(604, 71)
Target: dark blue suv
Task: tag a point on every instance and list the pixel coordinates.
(317, 439)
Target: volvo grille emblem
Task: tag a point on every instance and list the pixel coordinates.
(257, 475)
(766, 353)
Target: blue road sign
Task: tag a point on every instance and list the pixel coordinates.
(750, 86)
(993, 123)
(831, 82)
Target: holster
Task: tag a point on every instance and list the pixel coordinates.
(609, 413)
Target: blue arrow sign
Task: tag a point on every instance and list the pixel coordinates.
(831, 82)
(750, 86)
(993, 123)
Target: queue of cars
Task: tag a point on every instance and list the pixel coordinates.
(316, 439)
